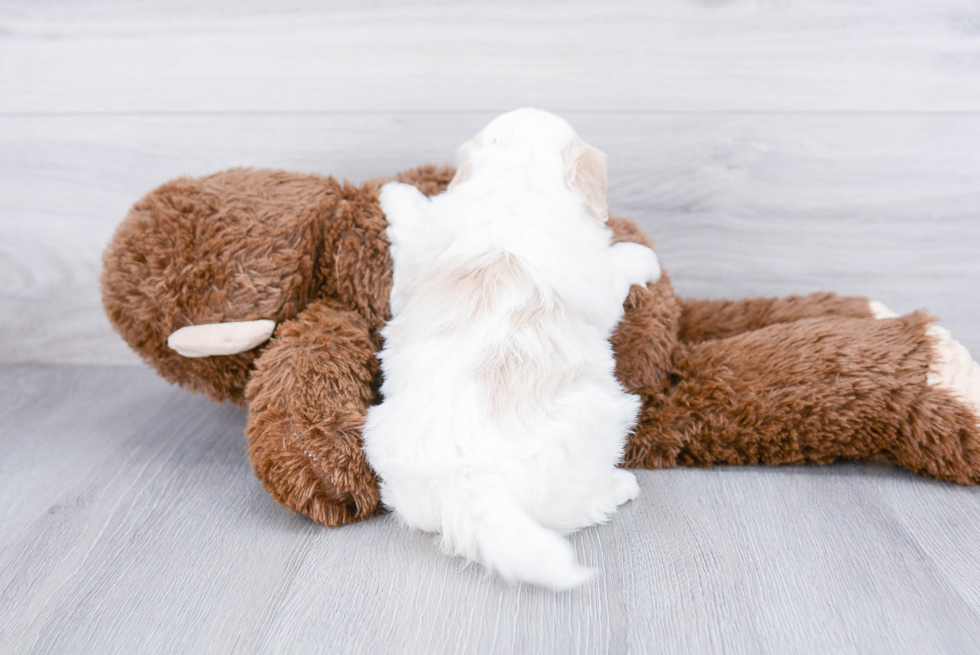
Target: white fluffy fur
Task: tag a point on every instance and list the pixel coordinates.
(502, 422)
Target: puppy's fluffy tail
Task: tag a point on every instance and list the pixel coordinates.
(511, 542)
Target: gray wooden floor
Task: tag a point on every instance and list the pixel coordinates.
(132, 523)
(770, 147)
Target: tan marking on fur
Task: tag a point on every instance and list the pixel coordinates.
(479, 285)
(511, 378)
(495, 375)
(515, 382)
(585, 172)
(472, 285)
(535, 313)
(464, 167)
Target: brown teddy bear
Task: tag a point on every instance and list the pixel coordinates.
(774, 381)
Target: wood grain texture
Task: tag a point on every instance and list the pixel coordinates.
(740, 206)
(740, 55)
(130, 522)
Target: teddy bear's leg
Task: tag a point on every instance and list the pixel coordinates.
(307, 400)
(702, 320)
(816, 390)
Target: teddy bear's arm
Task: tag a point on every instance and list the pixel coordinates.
(816, 390)
(702, 320)
(308, 396)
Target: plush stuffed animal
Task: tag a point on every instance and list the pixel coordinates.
(212, 265)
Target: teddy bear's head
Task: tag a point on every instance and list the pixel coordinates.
(245, 245)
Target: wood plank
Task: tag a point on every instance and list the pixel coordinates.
(116, 56)
(130, 522)
(796, 559)
(740, 205)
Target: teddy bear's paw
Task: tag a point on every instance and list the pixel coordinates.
(953, 369)
(313, 464)
(879, 310)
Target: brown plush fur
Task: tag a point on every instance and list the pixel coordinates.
(702, 320)
(812, 390)
(773, 381)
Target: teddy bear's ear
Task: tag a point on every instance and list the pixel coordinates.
(585, 172)
(220, 338)
(464, 165)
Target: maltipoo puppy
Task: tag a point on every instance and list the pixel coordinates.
(502, 422)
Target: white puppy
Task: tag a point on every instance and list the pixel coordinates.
(502, 422)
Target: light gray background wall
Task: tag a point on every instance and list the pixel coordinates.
(768, 147)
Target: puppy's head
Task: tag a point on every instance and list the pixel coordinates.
(544, 144)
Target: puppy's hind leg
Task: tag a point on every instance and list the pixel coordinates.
(624, 486)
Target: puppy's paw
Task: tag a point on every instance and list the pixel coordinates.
(625, 486)
(639, 263)
(954, 370)
(402, 204)
(622, 488)
(879, 310)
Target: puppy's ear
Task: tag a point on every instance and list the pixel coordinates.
(585, 172)
(464, 167)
